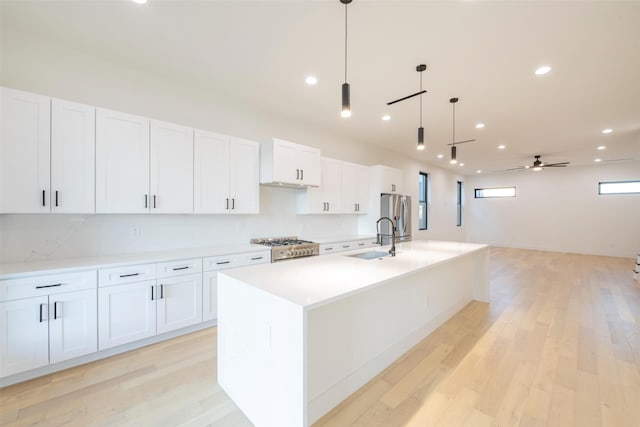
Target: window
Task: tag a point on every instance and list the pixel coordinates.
(482, 193)
(619, 187)
(423, 200)
(459, 199)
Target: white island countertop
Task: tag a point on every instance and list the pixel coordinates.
(316, 281)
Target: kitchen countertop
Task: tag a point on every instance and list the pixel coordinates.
(315, 281)
(13, 270)
(338, 239)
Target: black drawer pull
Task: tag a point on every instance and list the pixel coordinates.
(346, 246)
(360, 244)
(48, 286)
(256, 258)
(41, 306)
(180, 268)
(328, 249)
(222, 262)
(130, 275)
(43, 198)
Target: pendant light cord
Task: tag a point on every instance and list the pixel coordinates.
(453, 142)
(421, 99)
(345, 42)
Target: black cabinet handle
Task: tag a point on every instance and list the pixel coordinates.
(328, 249)
(233, 203)
(44, 202)
(360, 244)
(297, 173)
(152, 288)
(161, 291)
(227, 207)
(146, 201)
(256, 258)
(130, 275)
(345, 246)
(180, 268)
(48, 286)
(154, 201)
(56, 198)
(55, 310)
(302, 174)
(222, 262)
(41, 307)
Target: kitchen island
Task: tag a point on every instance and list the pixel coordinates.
(298, 337)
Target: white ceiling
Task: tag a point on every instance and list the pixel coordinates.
(482, 52)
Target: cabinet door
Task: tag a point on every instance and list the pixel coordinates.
(24, 336)
(73, 329)
(72, 157)
(285, 162)
(126, 313)
(122, 163)
(349, 187)
(210, 296)
(244, 178)
(362, 189)
(179, 302)
(332, 184)
(309, 162)
(24, 152)
(211, 172)
(171, 168)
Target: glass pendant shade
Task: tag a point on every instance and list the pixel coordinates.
(346, 100)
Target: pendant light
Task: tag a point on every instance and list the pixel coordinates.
(346, 98)
(420, 68)
(454, 159)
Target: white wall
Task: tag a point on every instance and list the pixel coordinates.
(36, 65)
(558, 210)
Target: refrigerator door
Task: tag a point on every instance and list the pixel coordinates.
(398, 208)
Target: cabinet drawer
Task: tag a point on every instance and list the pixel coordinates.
(179, 268)
(222, 262)
(126, 274)
(27, 287)
(261, 257)
(329, 248)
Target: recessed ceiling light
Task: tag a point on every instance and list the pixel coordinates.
(479, 125)
(311, 80)
(607, 130)
(386, 117)
(543, 70)
(601, 147)
(440, 156)
(460, 164)
(597, 160)
(478, 171)
(139, 1)
(501, 147)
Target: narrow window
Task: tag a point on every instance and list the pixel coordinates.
(423, 200)
(619, 187)
(483, 193)
(459, 199)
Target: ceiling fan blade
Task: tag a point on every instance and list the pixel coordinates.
(407, 97)
(556, 165)
(519, 168)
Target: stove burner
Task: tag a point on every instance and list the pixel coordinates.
(288, 247)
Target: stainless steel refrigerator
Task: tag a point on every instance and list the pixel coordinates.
(398, 208)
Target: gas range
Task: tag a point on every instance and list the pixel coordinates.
(283, 248)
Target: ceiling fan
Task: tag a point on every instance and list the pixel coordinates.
(538, 165)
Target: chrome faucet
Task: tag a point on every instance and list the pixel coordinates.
(392, 251)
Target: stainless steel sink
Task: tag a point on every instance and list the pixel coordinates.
(370, 255)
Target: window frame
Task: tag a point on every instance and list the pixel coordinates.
(476, 190)
(426, 200)
(600, 193)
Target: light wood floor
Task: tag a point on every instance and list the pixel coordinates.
(559, 345)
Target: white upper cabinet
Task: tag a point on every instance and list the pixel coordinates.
(24, 152)
(244, 171)
(226, 174)
(72, 157)
(389, 179)
(355, 188)
(328, 197)
(171, 185)
(122, 163)
(286, 163)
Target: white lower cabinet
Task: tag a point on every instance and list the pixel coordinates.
(179, 302)
(133, 311)
(126, 313)
(51, 319)
(209, 295)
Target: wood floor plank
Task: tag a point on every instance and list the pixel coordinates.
(558, 345)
